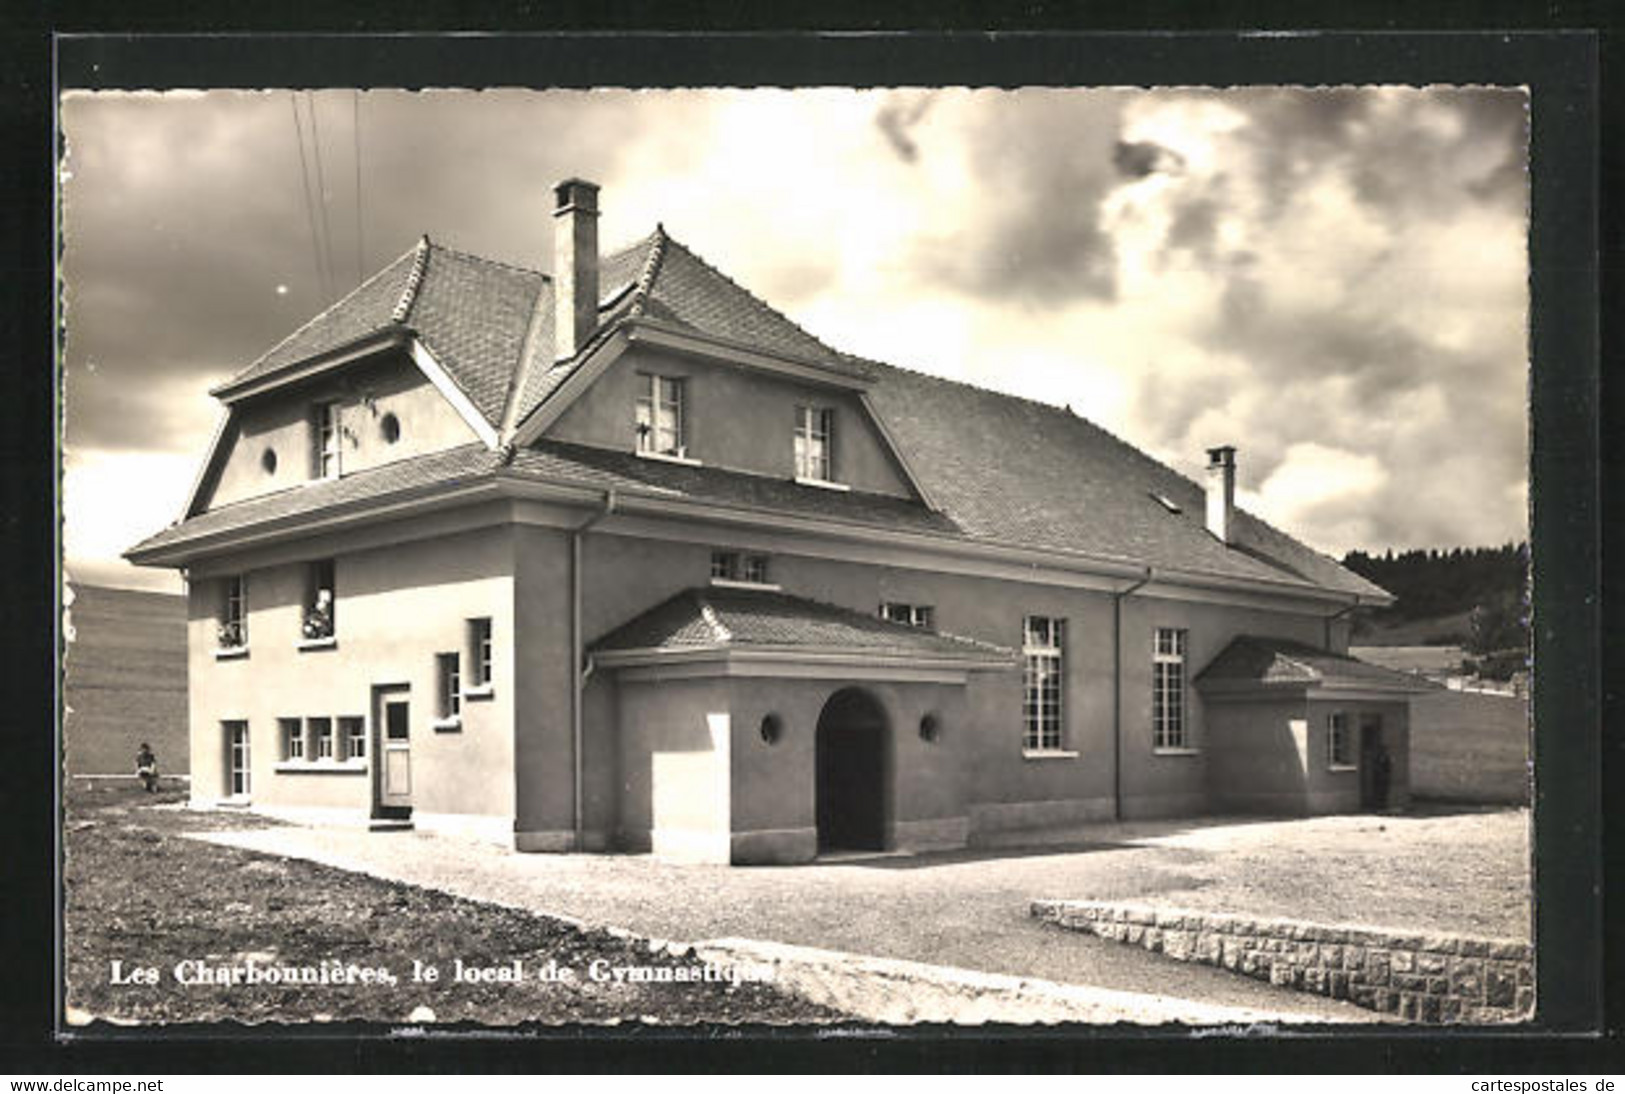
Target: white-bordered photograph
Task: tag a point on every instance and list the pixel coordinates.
(920, 555)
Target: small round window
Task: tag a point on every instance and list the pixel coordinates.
(268, 461)
(930, 728)
(390, 426)
(772, 728)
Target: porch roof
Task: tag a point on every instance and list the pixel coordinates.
(726, 618)
(1252, 663)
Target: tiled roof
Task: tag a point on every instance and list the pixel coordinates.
(732, 618)
(1264, 662)
(458, 464)
(472, 314)
(369, 308)
(1002, 469)
(1021, 472)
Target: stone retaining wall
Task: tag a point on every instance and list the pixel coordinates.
(1418, 977)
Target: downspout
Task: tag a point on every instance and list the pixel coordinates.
(1327, 621)
(1117, 692)
(579, 668)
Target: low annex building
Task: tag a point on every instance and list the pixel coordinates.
(622, 558)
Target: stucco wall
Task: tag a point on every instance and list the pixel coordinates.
(735, 418)
(998, 786)
(1339, 791)
(544, 772)
(675, 740)
(282, 423)
(1260, 754)
(397, 607)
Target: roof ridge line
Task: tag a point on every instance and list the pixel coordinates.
(414, 281)
(525, 367)
(756, 299)
(652, 263)
(709, 613)
(489, 261)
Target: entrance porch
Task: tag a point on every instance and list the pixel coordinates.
(755, 727)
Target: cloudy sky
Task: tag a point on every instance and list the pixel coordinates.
(1333, 281)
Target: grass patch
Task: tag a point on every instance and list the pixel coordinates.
(140, 893)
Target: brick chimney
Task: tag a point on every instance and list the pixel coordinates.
(575, 265)
(1221, 492)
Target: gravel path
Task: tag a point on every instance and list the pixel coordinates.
(967, 909)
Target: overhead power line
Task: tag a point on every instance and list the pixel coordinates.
(355, 132)
(310, 206)
(321, 188)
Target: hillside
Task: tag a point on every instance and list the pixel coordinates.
(1473, 597)
(125, 680)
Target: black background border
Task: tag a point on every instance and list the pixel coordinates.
(1572, 105)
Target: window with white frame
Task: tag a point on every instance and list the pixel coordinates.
(479, 654)
(736, 566)
(815, 436)
(448, 673)
(1339, 742)
(326, 430)
(293, 738)
(1168, 722)
(1043, 648)
(915, 615)
(233, 622)
(659, 421)
(321, 603)
(237, 758)
(353, 731)
(320, 732)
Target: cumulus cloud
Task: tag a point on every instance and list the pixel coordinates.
(1334, 281)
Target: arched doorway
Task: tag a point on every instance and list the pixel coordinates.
(852, 775)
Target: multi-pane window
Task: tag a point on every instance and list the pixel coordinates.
(293, 738)
(325, 448)
(815, 434)
(915, 615)
(354, 732)
(233, 631)
(1043, 652)
(1168, 724)
(1339, 742)
(320, 731)
(660, 415)
(449, 675)
(479, 653)
(320, 603)
(237, 781)
(734, 566)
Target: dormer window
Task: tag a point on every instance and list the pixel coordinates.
(815, 436)
(325, 441)
(659, 422)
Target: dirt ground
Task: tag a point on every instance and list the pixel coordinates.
(139, 893)
(1441, 869)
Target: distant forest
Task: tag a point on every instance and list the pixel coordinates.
(1478, 594)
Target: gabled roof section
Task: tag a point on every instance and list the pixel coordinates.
(715, 618)
(367, 309)
(1022, 472)
(473, 315)
(1250, 662)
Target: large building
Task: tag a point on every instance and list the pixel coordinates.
(622, 558)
